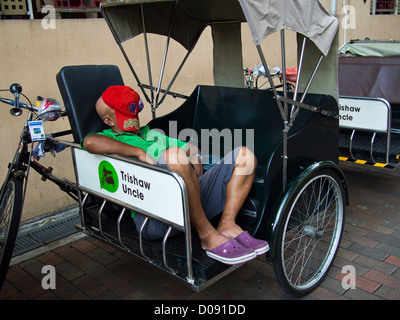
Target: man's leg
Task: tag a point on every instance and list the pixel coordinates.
(237, 190)
(177, 161)
(235, 246)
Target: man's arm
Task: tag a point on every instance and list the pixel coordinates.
(99, 144)
(194, 155)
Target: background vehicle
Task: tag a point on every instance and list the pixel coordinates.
(369, 73)
(257, 78)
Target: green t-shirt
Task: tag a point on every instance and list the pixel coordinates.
(152, 142)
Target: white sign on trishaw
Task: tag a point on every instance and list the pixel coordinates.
(371, 114)
(148, 190)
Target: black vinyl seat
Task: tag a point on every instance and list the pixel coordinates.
(80, 88)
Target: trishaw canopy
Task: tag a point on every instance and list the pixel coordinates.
(306, 17)
(185, 20)
(190, 17)
(369, 48)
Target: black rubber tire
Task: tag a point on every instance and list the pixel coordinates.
(10, 216)
(310, 233)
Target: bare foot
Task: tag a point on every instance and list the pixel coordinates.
(213, 240)
(229, 229)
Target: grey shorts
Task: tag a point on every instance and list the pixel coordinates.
(213, 189)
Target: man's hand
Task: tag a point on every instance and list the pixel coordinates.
(195, 160)
(144, 157)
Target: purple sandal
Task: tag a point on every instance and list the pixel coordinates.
(231, 252)
(259, 246)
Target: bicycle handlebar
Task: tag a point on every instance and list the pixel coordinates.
(26, 106)
(16, 90)
(20, 104)
(277, 71)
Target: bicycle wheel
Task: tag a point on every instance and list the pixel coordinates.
(10, 216)
(310, 234)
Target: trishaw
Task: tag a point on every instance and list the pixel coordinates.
(297, 202)
(370, 102)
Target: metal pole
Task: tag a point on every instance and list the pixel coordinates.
(311, 78)
(285, 157)
(264, 62)
(175, 76)
(296, 90)
(307, 88)
(333, 7)
(165, 56)
(283, 52)
(286, 125)
(153, 110)
(139, 83)
(283, 114)
(30, 10)
(345, 22)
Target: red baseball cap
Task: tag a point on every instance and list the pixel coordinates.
(126, 103)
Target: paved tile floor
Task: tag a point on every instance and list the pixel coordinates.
(87, 269)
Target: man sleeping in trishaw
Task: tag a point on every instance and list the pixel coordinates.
(280, 194)
(223, 188)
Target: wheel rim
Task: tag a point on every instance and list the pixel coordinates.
(6, 209)
(312, 232)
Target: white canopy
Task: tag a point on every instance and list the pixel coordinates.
(307, 17)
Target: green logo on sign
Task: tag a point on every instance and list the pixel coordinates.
(108, 177)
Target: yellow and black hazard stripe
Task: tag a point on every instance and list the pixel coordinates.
(370, 163)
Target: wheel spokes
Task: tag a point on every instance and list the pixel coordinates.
(311, 232)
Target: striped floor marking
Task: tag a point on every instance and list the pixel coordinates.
(374, 164)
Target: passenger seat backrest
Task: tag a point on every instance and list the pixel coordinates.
(80, 88)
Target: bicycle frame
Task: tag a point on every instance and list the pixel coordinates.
(13, 190)
(18, 165)
(22, 160)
